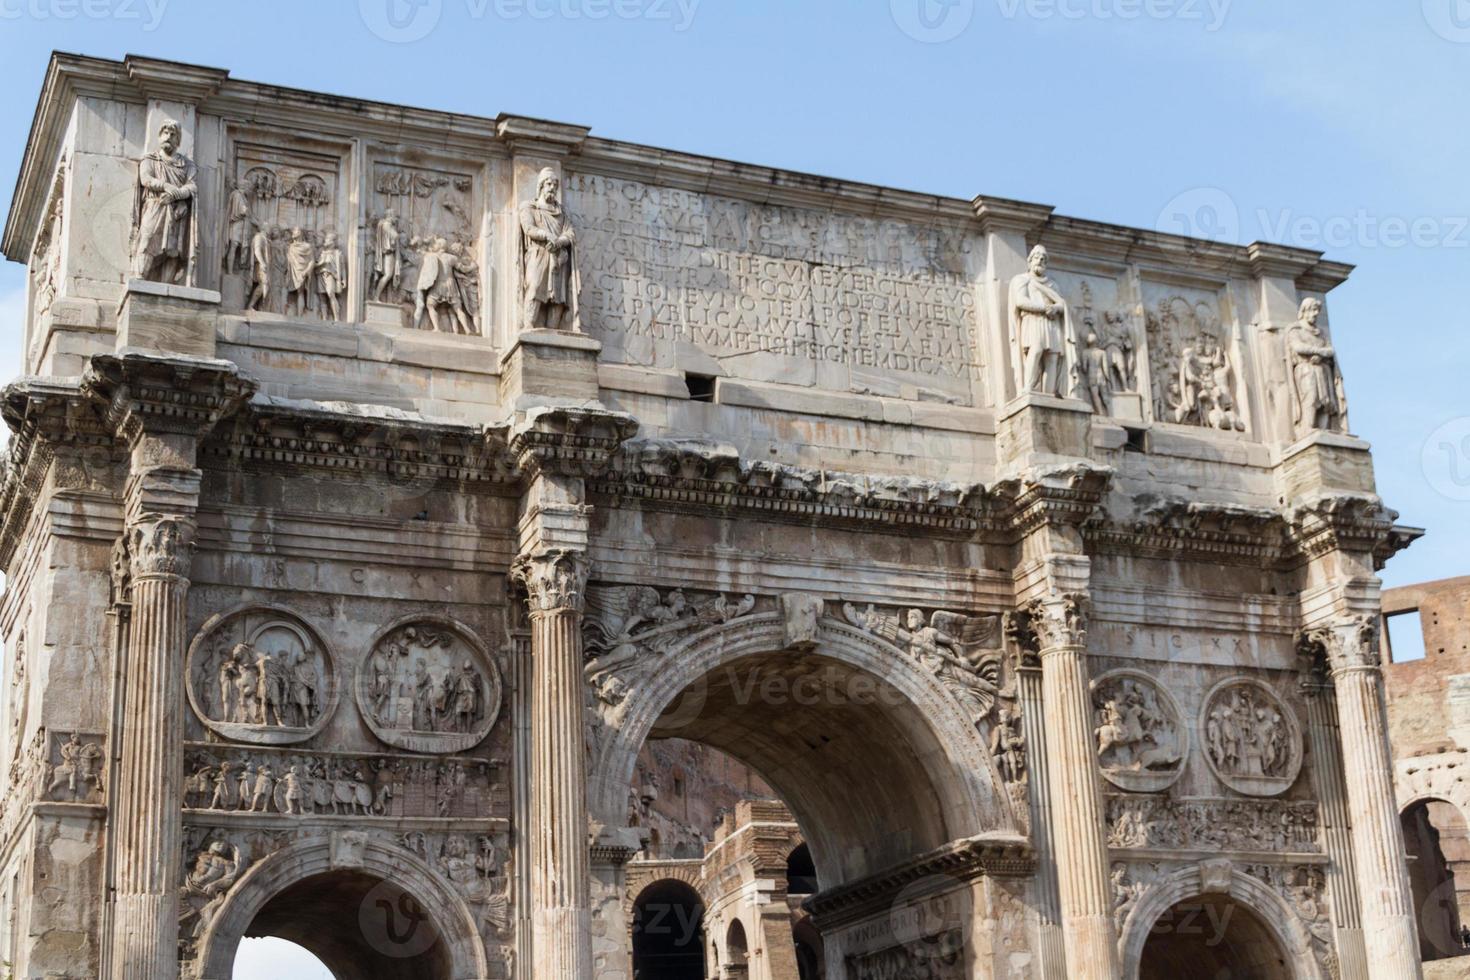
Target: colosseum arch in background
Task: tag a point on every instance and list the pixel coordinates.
(383, 479)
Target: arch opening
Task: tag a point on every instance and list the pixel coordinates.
(1438, 848)
(359, 926)
(270, 958)
(1212, 936)
(668, 932)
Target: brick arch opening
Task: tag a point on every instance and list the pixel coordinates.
(668, 932)
(1437, 842)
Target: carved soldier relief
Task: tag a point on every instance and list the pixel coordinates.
(423, 252)
(428, 686)
(1108, 348)
(262, 675)
(1191, 359)
(1251, 738)
(1140, 735)
(282, 228)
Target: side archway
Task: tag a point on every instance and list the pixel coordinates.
(357, 866)
(1277, 918)
(877, 759)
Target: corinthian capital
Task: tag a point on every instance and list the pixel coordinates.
(554, 579)
(160, 546)
(1346, 644)
(1059, 619)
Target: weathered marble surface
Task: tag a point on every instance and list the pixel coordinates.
(760, 470)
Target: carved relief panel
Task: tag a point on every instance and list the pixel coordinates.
(1141, 737)
(1193, 363)
(1252, 739)
(429, 686)
(424, 243)
(1108, 343)
(261, 674)
(283, 223)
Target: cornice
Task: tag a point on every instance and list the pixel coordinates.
(1352, 522)
(146, 393)
(570, 441)
(365, 441)
(1066, 494)
(1172, 528)
(701, 477)
(952, 864)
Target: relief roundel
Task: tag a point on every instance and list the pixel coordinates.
(1252, 740)
(429, 686)
(261, 674)
(1140, 735)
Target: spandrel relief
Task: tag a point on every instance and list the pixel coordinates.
(428, 686)
(423, 254)
(262, 675)
(283, 231)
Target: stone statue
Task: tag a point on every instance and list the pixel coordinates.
(331, 272)
(261, 260)
(164, 220)
(1095, 375)
(237, 243)
(1043, 340)
(1316, 382)
(300, 264)
(549, 277)
(386, 254)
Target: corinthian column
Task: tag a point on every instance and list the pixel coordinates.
(561, 875)
(1389, 933)
(1081, 854)
(1052, 956)
(148, 821)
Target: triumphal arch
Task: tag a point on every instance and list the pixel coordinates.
(382, 480)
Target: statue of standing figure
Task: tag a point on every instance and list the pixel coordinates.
(1043, 340)
(1318, 398)
(163, 211)
(549, 277)
(237, 246)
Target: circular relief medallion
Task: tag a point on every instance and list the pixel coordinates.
(1252, 740)
(261, 674)
(429, 686)
(1139, 732)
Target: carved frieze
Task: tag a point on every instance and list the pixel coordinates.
(1211, 824)
(1107, 345)
(283, 226)
(73, 768)
(1141, 738)
(424, 246)
(428, 685)
(1251, 738)
(1196, 380)
(262, 674)
(45, 264)
(233, 780)
(474, 865)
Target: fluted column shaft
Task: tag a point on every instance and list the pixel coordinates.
(1081, 855)
(561, 872)
(1053, 957)
(147, 819)
(1390, 935)
(1331, 789)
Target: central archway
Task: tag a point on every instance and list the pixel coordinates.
(876, 758)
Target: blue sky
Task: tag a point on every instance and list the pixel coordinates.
(1334, 124)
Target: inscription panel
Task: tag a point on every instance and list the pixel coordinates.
(678, 279)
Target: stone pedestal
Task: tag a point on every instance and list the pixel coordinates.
(561, 875)
(1390, 934)
(1037, 429)
(176, 319)
(1325, 462)
(545, 364)
(1081, 854)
